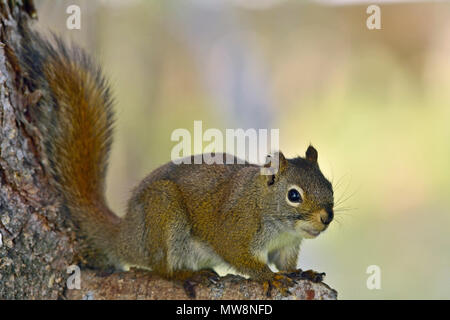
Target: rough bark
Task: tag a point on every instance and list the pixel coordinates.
(142, 285)
(36, 244)
(37, 241)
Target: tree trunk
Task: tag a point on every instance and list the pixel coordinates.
(37, 239)
(36, 243)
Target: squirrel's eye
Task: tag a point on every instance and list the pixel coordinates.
(294, 196)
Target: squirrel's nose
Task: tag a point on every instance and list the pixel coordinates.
(326, 216)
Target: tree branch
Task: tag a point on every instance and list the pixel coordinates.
(137, 284)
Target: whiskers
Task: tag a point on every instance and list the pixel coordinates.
(340, 207)
(338, 221)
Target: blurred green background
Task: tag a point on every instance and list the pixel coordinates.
(375, 103)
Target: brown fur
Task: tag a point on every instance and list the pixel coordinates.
(181, 218)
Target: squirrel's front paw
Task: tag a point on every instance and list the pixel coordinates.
(281, 282)
(311, 275)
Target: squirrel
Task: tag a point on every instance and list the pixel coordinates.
(182, 219)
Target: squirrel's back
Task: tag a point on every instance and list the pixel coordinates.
(74, 115)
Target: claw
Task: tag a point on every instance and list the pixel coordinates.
(313, 275)
(295, 274)
(308, 275)
(202, 277)
(106, 272)
(189, 288)
(281, 282)
(267, 287)
(214, 279)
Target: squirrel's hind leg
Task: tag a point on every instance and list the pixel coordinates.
(170, 249)
(191, 279)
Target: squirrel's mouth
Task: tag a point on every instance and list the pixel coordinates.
(311, 233)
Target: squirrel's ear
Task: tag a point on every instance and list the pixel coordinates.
(275, 165)
(282, 161)
(311, 154)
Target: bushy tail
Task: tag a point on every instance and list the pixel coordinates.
(75, 117)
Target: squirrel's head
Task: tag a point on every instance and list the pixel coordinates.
(300, 196)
